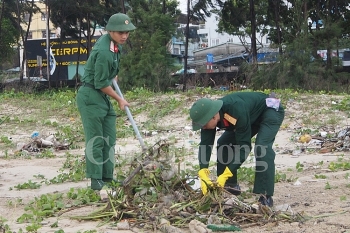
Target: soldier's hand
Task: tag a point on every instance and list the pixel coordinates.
(122, 103)
(203, 175)
(223, 177)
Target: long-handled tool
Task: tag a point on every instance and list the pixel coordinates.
(137, 132)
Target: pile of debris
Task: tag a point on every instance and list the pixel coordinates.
(335, 142)
(160, 197)
(39, 143)
(328, 141)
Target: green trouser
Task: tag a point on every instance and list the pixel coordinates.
(266, 128)
(99, 122)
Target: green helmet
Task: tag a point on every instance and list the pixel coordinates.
(120, 23)
(203, 110)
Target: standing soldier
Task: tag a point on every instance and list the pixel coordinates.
(242, 115)
(93, 100)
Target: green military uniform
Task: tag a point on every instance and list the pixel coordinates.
(243, 115)
(96, 110)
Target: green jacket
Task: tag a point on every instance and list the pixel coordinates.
(103, 63)
(245, 108)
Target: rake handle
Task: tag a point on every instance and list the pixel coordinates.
(131, 119)
(138, 135)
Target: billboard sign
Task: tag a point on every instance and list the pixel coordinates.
(65, 56)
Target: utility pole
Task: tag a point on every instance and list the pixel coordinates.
(184, 79)
(123, 7)
(48, 43)
(253, 39)
(253, 29)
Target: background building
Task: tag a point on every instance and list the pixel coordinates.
(38, 24)
(227, 51)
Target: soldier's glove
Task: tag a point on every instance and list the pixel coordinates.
(203, 175)
(223, 177)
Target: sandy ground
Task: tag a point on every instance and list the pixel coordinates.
(328, 207)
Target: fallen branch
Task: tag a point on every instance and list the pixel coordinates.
(329, 215)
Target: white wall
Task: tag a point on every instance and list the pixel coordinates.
(214, 37)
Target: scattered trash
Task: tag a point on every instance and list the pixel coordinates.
(37, 144)
(146, 133)
(198, 227)
(284, 208)
(35, 134)
(214, 219)
(306, 138)
(222, 227)
(103, 194)
(316, 142)
(324, 142)
(123, 225)
(19, 146)
(339, 142)
(297, 183)
(196, 184)
(223, 88)
(44, 143)
(296, 153)
(343, 133)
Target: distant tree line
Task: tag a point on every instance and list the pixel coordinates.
(297, 28)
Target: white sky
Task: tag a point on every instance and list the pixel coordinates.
(183, 6)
